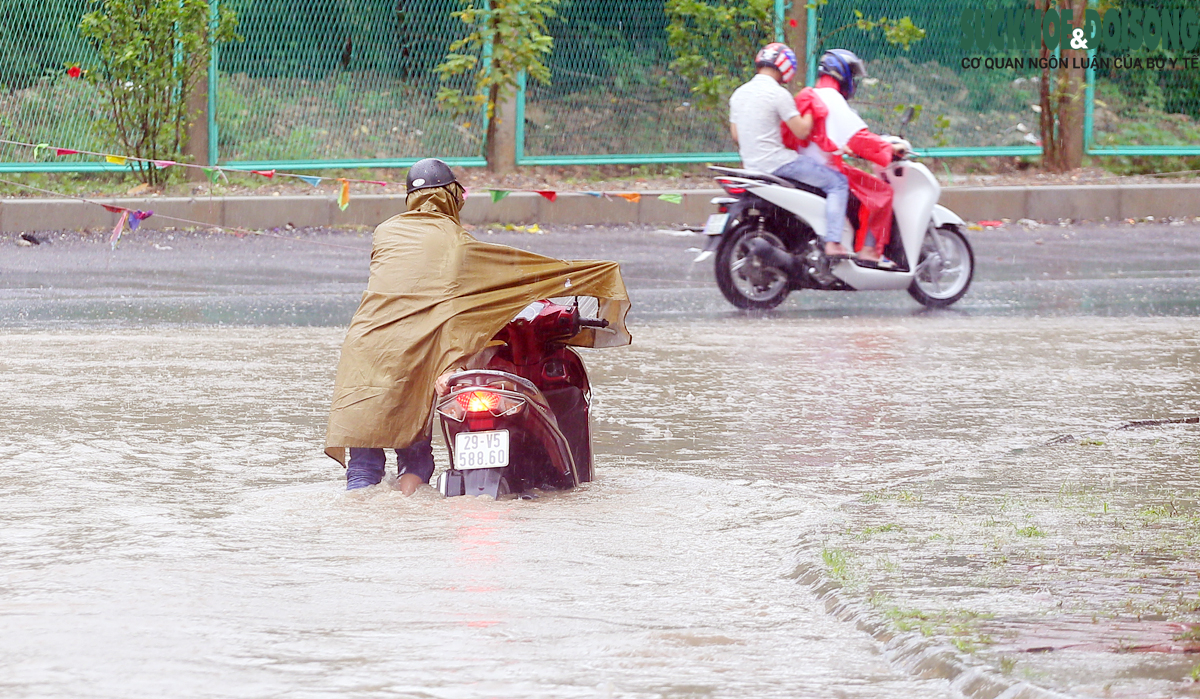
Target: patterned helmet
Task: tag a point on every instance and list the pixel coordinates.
(777, 56)
(843, 66)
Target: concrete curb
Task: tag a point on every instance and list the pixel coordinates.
(917, 654)
(1051, 202)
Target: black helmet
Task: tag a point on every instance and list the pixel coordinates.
(428, 173)
(843, 66)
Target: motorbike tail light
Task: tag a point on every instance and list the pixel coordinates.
(722, 209)
(731, 187)
(472, 403)
(479, 401)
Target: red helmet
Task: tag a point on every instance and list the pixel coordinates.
(778, 56)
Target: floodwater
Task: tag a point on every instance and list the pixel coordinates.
(171, 527)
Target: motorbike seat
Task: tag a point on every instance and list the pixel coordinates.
(773, 179)
(852, 204)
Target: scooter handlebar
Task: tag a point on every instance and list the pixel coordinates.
(593, 323)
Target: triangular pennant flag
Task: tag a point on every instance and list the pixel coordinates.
(65, 151)
(344, 199)
(314, 181)
(551, 195)
(114, 209)
(594, 194)
(269, 174)
(136, 218)
(498, 194)
(630, 196)
(115, 159)
(37, 150)
(164, 164)
(119, 228)
(211, 174)
(672, 198)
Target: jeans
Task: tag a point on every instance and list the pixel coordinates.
(835, 184)
(365, 467)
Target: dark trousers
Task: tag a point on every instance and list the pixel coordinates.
(365, 467)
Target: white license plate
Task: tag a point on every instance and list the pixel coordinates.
(716, 224)
(481, 450)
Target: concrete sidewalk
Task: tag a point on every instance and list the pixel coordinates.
(1045, 203)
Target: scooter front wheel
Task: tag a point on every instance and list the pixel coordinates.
(944, 269)
(744, 279)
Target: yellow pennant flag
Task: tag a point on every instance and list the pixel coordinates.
(115, 159)
(344, 198)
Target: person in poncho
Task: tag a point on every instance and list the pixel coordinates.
(435, 298)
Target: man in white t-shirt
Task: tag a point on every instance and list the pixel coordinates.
(755, 111)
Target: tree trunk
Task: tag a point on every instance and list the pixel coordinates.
(1071, 97)
(797, 36)
(195, 144)
(502, 133)
(1063, 104)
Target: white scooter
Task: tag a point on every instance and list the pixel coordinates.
(767, 238)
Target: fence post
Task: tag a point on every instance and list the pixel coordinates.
(1089, 106)
(213, 155)
(520, 121)
(810, 44)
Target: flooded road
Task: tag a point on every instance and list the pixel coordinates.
(171, 527)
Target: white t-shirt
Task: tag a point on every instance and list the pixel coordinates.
(757, 109)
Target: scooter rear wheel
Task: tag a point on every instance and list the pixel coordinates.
(744, 279)
(941, 279)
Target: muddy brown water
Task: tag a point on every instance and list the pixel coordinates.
(171, 527)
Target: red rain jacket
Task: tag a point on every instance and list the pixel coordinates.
(874, 195)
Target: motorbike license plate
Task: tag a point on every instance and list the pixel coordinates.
(481, 450)
(716, 224)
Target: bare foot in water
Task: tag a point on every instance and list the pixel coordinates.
(409, 483)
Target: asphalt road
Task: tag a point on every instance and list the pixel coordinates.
(315, 277)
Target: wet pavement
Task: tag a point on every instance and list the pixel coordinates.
(968, 478)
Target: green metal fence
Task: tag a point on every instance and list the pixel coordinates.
(342, 83)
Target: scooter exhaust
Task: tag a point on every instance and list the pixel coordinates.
(775, 257)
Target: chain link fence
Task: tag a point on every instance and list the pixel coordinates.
(353, 82)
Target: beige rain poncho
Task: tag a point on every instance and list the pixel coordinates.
(436, 296)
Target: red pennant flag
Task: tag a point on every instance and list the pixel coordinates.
(114, 209)
(265, 173)
(551, 195)
(65, 151)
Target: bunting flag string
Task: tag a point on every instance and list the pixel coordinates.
(134, 218)
(217, 172)
(120, 228)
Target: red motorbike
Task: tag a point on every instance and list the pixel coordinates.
(522, 422)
